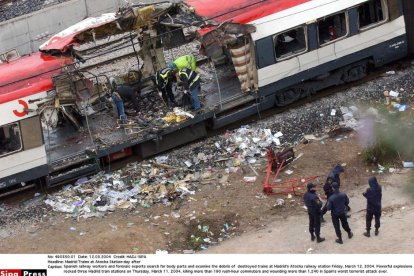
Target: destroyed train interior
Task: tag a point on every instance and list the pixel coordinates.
(59, 123)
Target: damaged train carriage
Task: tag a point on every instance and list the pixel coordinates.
(292, 49)
(23, 155)
(265, 53)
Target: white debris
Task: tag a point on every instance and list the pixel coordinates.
(288, 171)
(393, 93)
(278, 134)
(249, 179)
(408, 164)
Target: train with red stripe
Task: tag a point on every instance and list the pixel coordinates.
(266, 54)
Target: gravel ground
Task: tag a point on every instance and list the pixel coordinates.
(315, 118)
(11, 9)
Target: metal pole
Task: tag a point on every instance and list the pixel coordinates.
(133, 46)
(218, 83)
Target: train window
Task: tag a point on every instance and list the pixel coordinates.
(290, 43)
(10, 139)
(370, 13)
(332, 28)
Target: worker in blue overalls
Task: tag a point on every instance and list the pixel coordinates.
(192, 83)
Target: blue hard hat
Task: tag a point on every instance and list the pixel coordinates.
(172, 65)
(310, 186)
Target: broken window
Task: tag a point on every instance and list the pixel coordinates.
(10, 139)
(290, 43)
(332, 28)
(371, 13)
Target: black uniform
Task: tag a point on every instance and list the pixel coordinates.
(337, 205)
(373, 195)
(314, 205)
(128, 94)
(334, 174)
(328, 190)
(164, 81)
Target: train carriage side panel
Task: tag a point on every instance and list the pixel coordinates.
(383, 40)
(22, 151)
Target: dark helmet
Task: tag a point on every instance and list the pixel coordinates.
(335, 186)
(310, 186)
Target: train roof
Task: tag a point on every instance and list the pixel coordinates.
(240, 11)
(62, 40)
(29, 75)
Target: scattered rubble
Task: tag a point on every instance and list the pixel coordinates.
(179, 173)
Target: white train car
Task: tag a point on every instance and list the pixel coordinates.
(280, 51)
(301, 46)
(22, 149)
(331, 41)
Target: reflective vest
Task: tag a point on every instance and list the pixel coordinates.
(188, 61)
(188, 77)
(162, 77)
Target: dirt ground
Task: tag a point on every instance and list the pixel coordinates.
(232, 216)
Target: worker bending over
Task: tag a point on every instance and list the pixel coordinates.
(191, 82)
(164, 80)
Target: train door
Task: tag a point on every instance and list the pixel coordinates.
(310, 59)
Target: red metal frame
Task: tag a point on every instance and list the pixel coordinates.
(291, 186)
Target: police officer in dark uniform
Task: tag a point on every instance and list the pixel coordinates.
(327, 188)
(335, 173)
(164, 80)
(337, 205)
(314, 205)
(373, 195)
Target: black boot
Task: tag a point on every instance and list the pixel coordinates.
(367, 234)
(319, 239)
(339, 240)
(350, 234)
(376, 231)
(312, 237)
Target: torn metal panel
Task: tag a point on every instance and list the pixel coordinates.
(151, 53)
(93, 28)
(234, 28)
(66, 38)
(243, 59)
(224, 35)
(143, 16)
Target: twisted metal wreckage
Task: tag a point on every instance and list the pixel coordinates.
(53, 85)
(156, 28)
